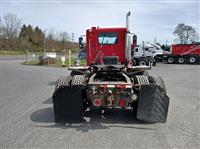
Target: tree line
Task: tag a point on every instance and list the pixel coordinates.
(17, 37)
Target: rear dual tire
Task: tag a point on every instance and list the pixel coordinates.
(143, 62)
(153, 101)
(152, 61)
(63, 81)
(78, 80)
(193, 60)
(170, 60)
(181, 60)
(159, 81)
(68, 99)
(153, 104)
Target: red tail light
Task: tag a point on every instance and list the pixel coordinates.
(102, 89)
(120, 88)
(122, 103)
(97, 102)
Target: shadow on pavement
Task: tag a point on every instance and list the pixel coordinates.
(48, 101)
(93, 119)
(45, 115)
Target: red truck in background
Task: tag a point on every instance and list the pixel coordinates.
(184, 54)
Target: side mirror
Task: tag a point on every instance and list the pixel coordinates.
(81, 42)
(134, 39)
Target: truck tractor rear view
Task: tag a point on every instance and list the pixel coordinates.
(110, 80)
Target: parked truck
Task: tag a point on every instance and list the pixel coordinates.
(184, 54)
(110, 80)
(148, 53)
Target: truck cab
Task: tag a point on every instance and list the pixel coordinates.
(108, 44)
(148, 50)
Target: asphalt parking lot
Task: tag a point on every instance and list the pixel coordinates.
(27, 120)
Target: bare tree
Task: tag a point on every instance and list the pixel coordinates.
(185, 33)
(1, 36)
(1, 28)
(63, 38)
(10, 26)
(13, 36)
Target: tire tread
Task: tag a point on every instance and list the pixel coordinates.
(153, 104)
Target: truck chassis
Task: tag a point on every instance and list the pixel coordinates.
(112, 86)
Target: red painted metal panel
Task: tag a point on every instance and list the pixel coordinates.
(93, 46)
(186, 49)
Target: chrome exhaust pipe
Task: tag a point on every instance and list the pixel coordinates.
(127, 21)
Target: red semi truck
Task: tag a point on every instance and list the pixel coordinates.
(184, 54)
(110, 80)
(109, 44)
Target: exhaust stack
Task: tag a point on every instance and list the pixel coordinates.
(129, 40)
(127, 21)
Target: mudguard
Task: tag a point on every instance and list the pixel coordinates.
(153, 104)
(68, 103)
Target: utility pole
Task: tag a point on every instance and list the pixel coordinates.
(72, 40)
(166, 42)
(72, 37)
(143, 52)
(155, 40)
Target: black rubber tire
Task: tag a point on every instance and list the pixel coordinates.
(78, 80)
(143, 62)
(68, 103)
(170, 60)
(152, 61)
(159, 81)
(74, 72)
(192, 60)
(153, 104)
(152, 79)
(63, 81)
(181, 60)
(134, 62)
(68, 100)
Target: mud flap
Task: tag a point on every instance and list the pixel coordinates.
(153, 104)
(68, 103)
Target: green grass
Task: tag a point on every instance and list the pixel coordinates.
(36, 62)
(12, 52)
(18, 53)
(57, 64)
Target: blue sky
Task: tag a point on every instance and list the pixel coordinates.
(149, 19)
